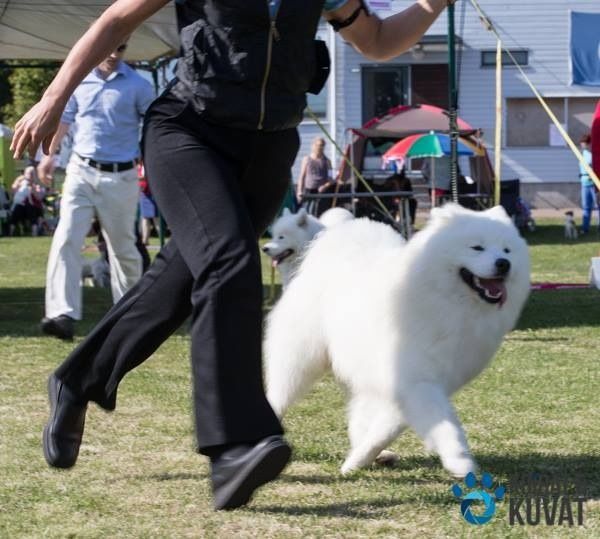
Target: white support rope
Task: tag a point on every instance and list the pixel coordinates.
(498, 135)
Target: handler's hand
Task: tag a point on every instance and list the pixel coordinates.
(38, 126)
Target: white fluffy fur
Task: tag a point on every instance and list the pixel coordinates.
(292, 233)
(397, 325)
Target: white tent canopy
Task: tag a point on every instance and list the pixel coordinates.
(47, 29)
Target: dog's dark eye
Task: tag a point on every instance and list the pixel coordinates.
(506, 250)
(477, 248)
(280, 238)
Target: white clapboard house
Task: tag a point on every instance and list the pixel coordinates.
(540, 36)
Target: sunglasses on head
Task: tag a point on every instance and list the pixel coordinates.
(121, 48)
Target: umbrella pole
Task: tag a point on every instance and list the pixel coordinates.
(453, 104)
(433, 197)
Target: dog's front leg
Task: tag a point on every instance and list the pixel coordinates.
(430, 413)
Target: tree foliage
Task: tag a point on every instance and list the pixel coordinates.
(26, 86)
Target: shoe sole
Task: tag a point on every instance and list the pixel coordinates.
(265, 467)
(53, 398)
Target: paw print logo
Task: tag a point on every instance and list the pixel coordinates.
(479, 495)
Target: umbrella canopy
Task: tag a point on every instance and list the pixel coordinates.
(429, 145)
(405, 120)
(31, 29)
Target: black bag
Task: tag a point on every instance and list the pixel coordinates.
(323, 67)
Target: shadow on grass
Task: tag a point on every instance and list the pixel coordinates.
(363, 509)
(583, 469)
(555, 235)
(561, 308)
(21, 310)
(181, 476)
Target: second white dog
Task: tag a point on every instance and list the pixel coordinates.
(402, 327)
(292, 233)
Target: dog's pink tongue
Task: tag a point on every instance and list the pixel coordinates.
(496, 288)
(274, 262)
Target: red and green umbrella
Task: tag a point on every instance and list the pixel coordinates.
(432, 145)
(428, 145)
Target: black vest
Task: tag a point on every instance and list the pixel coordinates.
(237, 68)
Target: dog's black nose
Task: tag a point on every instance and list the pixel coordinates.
(265, 249)
(502, 266)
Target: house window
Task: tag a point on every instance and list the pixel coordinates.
(528, 124)
(488, 58)
(580, 115)
(429, 85)
(382, 89)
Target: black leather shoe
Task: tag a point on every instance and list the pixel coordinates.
(64, 430)
(62, 326)
(236, 478)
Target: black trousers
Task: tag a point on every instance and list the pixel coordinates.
(218, 188)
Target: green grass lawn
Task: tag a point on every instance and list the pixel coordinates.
(534, 409)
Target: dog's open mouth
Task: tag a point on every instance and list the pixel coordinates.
(278, 259)
(491, 290)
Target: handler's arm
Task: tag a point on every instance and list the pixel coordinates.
(382, 40)
(40, 124)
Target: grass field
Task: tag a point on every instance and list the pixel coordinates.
(534, 409)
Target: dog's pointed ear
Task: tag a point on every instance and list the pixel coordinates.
(286, 211)
(301, 217)
(498, 213)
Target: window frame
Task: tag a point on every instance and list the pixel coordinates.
(506, 61)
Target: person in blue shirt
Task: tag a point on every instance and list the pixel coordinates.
(218, 146)
(589, 201)
(105, 112)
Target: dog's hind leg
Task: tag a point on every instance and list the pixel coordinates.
(374, 423)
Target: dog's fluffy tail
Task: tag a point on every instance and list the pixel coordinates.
(294, 355)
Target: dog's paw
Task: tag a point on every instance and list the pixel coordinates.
(387, 458)
(348, 467)
(460, 466)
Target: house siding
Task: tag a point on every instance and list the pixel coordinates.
(542, 30)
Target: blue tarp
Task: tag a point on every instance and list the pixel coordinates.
(585, 48)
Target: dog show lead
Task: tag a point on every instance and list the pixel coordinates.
(218, 146)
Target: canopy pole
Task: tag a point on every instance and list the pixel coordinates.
(498, 134)
(452, 104)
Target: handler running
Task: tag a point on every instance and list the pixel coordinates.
(219, 145)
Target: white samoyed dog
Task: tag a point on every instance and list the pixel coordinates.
(402, 327)
(292, 233)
